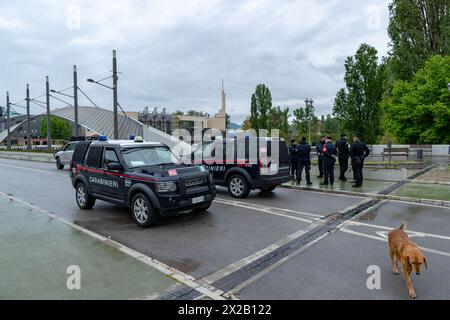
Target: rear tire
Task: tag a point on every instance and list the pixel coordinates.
(59, 165)
(84, 200)
(143, 213)
(238, 187)
(203, 208)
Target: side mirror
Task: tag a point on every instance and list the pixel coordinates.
(114, 166)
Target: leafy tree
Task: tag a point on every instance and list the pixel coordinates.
(301, 122)
(261, 105)
(61, 129)
(193, 113)
(331, 126)
(246, 125)
(227, 121)
(357, 106)
(178, 113)
(419, 110)
(418, 29)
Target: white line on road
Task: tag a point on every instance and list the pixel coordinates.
(268, 210)
(344, 229)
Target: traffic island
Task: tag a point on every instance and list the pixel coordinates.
(44, 258)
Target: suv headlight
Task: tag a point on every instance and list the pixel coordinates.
(168, 186)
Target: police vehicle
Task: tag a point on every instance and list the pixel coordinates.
(143, 176)
(246, 164)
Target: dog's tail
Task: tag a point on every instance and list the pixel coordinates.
(403, 226)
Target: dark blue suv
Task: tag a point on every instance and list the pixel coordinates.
(145, 177)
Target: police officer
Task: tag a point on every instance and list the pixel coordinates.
(319, 152)
(304, 161)
(329, 152)
(358, 152)
(294, 158)
(343, 156)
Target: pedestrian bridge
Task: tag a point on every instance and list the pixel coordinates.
(96, 120)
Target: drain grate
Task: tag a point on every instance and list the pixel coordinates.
(418, 174)
(247, 272)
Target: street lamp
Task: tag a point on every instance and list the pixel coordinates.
(309, 103)
(114, 89)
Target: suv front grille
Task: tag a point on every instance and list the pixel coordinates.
(195, 182)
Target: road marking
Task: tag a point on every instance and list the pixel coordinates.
(263, 209)
(344, 229)
(158, 265)
(411, 233)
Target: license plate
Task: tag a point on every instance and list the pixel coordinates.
(198, 200)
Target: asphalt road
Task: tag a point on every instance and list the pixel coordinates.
(232, 231)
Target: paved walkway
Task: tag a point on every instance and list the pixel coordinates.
(36, 251)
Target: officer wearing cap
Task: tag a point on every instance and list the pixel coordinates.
(329, 160)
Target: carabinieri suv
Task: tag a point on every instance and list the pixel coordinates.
(143, 176)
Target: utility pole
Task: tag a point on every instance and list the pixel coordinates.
(75, 99)
(309, 106)
(115, 103)
(49, 125)
(8, 122)
(28, 119)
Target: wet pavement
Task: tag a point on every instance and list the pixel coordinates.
(36, 252)
(235, 232)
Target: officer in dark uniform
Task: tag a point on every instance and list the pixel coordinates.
(343, 156)
(319, 152)
(329, 160)
(358, 152)
(294, 158)
(304, 161)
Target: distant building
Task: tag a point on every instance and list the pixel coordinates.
(159, 120)
(167, 123)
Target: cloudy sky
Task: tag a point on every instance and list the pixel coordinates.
(174, 53)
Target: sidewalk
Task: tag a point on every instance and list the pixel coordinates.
(36, 250)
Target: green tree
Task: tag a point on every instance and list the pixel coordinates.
(418, 29)
(419, 110)
(279, 119)
(193, 113)
(301, 121)
(227, 121)
(61, 129)
(331, 126)
(261, 105)
(357, 106)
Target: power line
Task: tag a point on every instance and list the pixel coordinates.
(84, 94)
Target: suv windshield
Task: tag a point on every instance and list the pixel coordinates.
(150, 156)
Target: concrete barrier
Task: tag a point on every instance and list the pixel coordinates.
(29, 156)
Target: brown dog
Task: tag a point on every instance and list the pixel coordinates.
(411, 258)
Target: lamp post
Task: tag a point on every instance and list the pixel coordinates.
(309, 105)
(8, 120)
(49, 126)
(75, 100)
(115, 93)
(28, 118)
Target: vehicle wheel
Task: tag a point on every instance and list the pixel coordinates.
(238, 187)
(143, 212)
(84, 199)
(59, 165)
(268, 189)
(203, 208)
